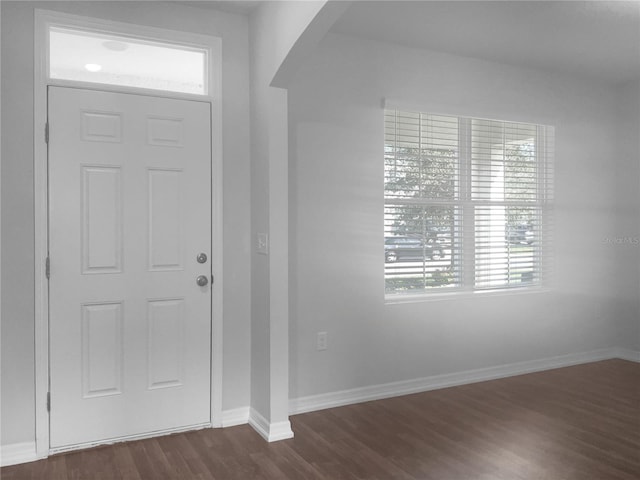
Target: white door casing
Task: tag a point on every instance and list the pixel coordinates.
(129, 212)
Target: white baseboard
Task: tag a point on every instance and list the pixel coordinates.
(25, 452)
(628, 354)
(406, 387)
(235, 416)
(271, 432)
(14, 453)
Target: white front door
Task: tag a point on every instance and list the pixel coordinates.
(129, 217)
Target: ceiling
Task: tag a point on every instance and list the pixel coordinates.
(243, 7)
(594, 39)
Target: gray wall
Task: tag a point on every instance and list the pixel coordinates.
(627, 234)
(18, 204)
(336, 183)
(260, 294)
(17, 302)
(336, 262)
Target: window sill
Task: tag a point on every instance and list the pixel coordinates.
(393, 299)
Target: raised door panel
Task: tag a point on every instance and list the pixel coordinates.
(101, 212)
(166, 325)
(166, 230)
(165, 131)
(101, 126)
(102, 349)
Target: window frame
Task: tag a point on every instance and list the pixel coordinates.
(138, 40)
(212, 46)
(466, 257)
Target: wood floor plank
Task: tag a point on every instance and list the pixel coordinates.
(574, 423)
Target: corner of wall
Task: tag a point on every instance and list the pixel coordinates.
(15, 453)
(271, 432)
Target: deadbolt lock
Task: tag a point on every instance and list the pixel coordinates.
(202, 258)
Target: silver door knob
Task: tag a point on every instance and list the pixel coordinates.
(202, 280)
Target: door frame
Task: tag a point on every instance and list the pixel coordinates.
(44, 19)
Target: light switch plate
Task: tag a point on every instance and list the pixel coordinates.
(262, 244)
(321, 341)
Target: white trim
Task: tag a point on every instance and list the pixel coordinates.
(43, 19)
(364, 394)
(259, 423)
(271, 432)
(628, 354)
(217, 238)
(103, 87)
(15, 453)
(26, 452)
(436, 108)
(460, 293)
(128, 438)
(41, 244)
(236, 416)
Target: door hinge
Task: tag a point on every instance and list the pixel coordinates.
(48, 401)
(47, 268)
(46, 132)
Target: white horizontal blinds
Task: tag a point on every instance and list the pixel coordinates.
(496, 176)
(421, 153)
(510, 190)
(507, 246)
(422, 214)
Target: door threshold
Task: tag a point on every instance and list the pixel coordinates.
(128, 438)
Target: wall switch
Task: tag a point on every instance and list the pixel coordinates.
(321, 341)
(262, 244)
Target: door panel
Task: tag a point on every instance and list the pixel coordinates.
(101, 219)
(165, 219)
(129, 211)
(101, 349)
(166, 324)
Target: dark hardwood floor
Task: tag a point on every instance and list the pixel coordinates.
(580, 422)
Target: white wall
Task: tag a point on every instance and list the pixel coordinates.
(281, 35)
(17, 192)
(280, 24)
(627, 240)
(274, 30)
(17, 376)
(336, 236)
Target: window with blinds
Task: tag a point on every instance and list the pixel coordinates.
(466, 203)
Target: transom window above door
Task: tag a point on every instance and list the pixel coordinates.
(94, 57)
